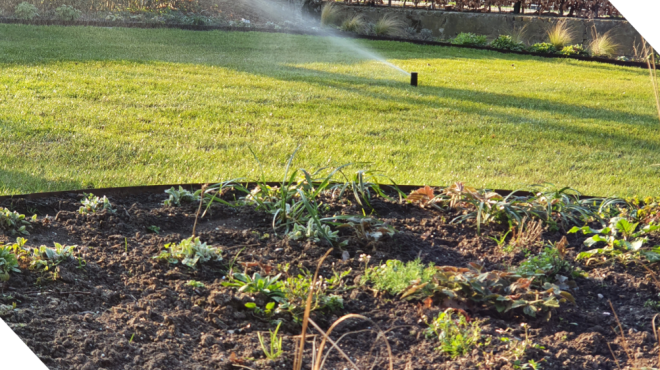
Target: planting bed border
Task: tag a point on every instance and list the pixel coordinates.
(53, 22)
(159, 189)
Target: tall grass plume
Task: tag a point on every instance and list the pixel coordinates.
(389, 26)
(329, 14)
(354, 24)
(560, 35)
(603, 45)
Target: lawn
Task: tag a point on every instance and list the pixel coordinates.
(102, 107)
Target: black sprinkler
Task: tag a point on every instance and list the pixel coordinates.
(413, 79)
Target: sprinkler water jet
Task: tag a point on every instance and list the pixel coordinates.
(413, 79)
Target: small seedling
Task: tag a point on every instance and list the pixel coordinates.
(275, 348)
(92, 204)
(179, 196)
(9, 258)
(195, 284)
(189, 252)
(457, 335)
(153, 229)
(269, 286)
(267, 311)
(14, 222)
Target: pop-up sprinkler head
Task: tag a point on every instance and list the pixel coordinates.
(413, 79)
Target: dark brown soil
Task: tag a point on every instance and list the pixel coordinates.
(122, 309)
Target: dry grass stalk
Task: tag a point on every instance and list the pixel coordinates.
(329, 14)
(297, 362)
(649, 55)
(633, 362)
(389, 26)
(199, 210)
(518, 34)
(527, 234)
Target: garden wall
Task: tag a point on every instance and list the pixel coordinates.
(447, 25)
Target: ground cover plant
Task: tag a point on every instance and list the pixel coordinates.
(471, 105)
(437, 289)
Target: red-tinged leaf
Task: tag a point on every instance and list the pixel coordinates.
(428, 302)
(422, 195)
(235, 360)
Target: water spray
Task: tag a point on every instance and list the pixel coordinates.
(413, 79)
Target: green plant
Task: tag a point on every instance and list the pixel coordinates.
(26, 11)
(9, 258)
(67, 13)
(653, 304)
(546, 265)
(622, 239)
(274, 351)
(153, 229)
(395, 276)
(189, 252)
(14, 222)
(92, 204)
(573, 50)
(195, 284)
(499, 290)
(354, 24)
(296, 290)
(560, 35)
(268, 286)
(45, 258)
(603, 45)
(389, 25)
(267, 311)
(501, 241)
(181, 195)
(363, 184)
(313, 232)
(543, 48)
(468, 38)
(505, 42)
(457, 335)
(329, 14)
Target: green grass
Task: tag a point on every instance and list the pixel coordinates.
(100, 107)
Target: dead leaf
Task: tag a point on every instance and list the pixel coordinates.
(422, 195)
(235, 360)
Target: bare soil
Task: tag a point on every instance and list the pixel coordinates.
(122, 309)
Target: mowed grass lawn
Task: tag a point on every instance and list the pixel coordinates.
(103, 107)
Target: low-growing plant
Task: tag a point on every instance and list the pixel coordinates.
(195, 284)
(296, 291)
(274, 349)
(505, 42)
(543, 48)
(456, 334)
(573, 50)
(469, 38)
(545, 266)
(14, 222)
(179, 196)
(369, 229)
(92, 204)
(270, 286)
(622, 238)
(267, 311)
(499, 290)
(153, 229)
(396, 276)
(426, 35)
(560, 35)
(45, 258)
(354, 24)
(389, 25)
(9, 258)
(330, 14)
(26, 11)
(189, 252)
(67, 13)
(313, 232)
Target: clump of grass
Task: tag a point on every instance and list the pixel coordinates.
(603, 45)
(329, 14)
(518, 34)
(354, 24)
(389, 26)
(457, 335)
(560, 35)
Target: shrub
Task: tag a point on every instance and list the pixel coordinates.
(457, 336)
(573, 50)
(26, 11)
(560, 35)
(189, 252)
(504, 42)
(67, 13)
(354, 24)
(389, 26)
(329, 14)
(468, 38)
(603, 45)
(543, 48)
(13, 222)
